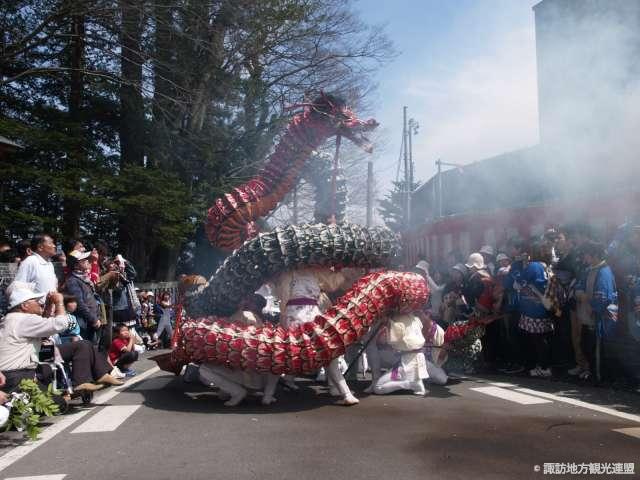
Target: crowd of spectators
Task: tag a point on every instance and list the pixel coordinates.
(61, 316)
(543, 306)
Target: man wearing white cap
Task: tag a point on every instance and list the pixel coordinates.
(21, 333)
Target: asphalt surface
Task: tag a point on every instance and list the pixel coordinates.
(170, 429)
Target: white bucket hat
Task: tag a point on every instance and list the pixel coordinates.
(476, 261)
(424, 266)
(19, 292)
(487, 250)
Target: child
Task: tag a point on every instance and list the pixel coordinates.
(122, 352)
(73, 333)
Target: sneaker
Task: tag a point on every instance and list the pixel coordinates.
(541, 372)
(116, 373)
(585, 375)
(575, 371)
(129, 372)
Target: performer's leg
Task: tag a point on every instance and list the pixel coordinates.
(373, 357)
(386, 385)
(271, 382)
(437, 375)
(334, 374)
(226, 381)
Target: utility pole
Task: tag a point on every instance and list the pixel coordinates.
(295, 205)
(407, 186)
(369, 193)
(439, 164)
(413, 130)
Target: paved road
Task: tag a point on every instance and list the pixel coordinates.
(162, 428)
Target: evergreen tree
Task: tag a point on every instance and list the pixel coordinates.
(391, 208)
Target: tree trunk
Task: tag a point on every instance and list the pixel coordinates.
(132, 138)
(76, 155)
(133, 238)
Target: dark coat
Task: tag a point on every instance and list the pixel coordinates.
(88, 310)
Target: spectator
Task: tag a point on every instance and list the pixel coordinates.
(71, 334)
(529, 276)
(624, 259)
(479, 293)
(435, 291)
(164, 313)
(74, 245)
(503, 261)
(488, 254)
(79, 285)
(37, 267)
(122, 352)
(61, 258)
(601, 295)
(568, 270)
(452, 300)
(23, 249)
(7, 254)
(478, 285)
(124, 305)
(21, 332)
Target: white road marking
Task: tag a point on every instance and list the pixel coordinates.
(48, 433)
(107, 419)
(40, 477)
(580, 403)
(510, 395)
(503, 384)
(632, 432)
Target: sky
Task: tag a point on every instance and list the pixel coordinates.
(466, 70)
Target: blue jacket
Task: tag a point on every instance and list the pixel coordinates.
(533, 273)
(604, 294)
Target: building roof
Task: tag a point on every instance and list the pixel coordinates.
(516, 179)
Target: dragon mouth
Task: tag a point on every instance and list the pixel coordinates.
(355, 130)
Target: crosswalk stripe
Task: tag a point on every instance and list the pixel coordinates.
(580, 403)
(107, 419)
(39, 477)
(632, 432)
(510, 395)
(48, 433)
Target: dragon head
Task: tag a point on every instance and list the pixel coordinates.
(343, 120)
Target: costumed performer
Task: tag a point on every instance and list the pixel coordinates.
(235, 383)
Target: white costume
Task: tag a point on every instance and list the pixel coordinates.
(235, 383)
(405, 335)
(435, 356)
(299, 292)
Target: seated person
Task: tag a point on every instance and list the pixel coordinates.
(21, 333)
(72, 334)
(122, 352)
(405, 336)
